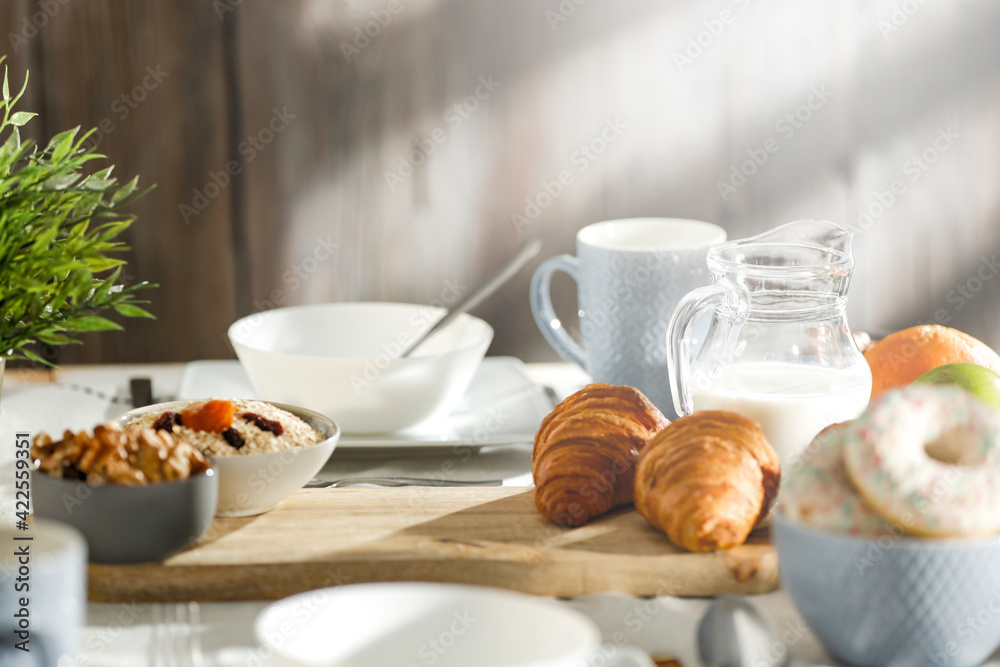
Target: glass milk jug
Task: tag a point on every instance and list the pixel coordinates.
(778, 349)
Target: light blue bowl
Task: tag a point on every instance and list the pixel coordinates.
(893, 600)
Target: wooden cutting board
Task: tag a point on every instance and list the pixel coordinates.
(486, 535)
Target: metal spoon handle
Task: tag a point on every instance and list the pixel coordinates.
(524, 253)
(398, 481)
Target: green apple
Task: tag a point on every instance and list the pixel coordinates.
(980, 381)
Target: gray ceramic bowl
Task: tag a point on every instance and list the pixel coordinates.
(893, 600)
(130, 524)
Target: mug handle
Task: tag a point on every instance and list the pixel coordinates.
(679, 342)
(545, 314)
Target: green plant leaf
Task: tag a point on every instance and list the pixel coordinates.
(97, 185)
(129, 310)
(61, 144)
(59, 228)
(61, 181)
(124, 191)
(101, 263)
(21, 117)
(57, 339)
(91, 323)
(34, 357)
(10, 146)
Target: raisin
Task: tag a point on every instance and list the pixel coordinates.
(167, 421)
(234, 438)
(263, 424)
(212, 416)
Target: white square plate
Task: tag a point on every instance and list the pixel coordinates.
(502, 406)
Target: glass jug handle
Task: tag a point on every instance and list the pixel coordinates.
(678, 342)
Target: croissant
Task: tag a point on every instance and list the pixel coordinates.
(707, 480)
(583, 462)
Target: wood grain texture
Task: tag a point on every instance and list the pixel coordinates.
(349, 201)
(149, 76)
(489, 536)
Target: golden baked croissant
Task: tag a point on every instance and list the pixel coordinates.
(583, 462)
(707, 480)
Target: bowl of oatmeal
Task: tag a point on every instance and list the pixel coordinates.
(345, 360)
(262, 451)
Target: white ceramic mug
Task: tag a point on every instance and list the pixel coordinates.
(43, 594)
(445, 625)
(630, 275)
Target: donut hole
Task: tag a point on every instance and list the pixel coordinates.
(957, 446)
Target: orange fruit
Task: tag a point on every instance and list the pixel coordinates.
(902, 357)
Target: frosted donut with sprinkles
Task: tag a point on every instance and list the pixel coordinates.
(816, 491)
(927, 458)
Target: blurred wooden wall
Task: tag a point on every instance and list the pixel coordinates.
(298, 159)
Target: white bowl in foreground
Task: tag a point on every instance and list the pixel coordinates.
(251, 484)
(342, 359)
(447, 625)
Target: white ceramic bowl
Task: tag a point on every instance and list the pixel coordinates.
(342, 359)
(251, 484)
(447, 625)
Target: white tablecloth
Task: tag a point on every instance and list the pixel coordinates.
(119, 634)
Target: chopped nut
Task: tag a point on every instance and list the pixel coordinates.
(113, 456)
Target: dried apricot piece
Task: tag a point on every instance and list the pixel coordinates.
(213, 416)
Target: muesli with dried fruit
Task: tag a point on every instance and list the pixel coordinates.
(232, 427)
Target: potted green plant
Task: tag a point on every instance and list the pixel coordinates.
(58, 226)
